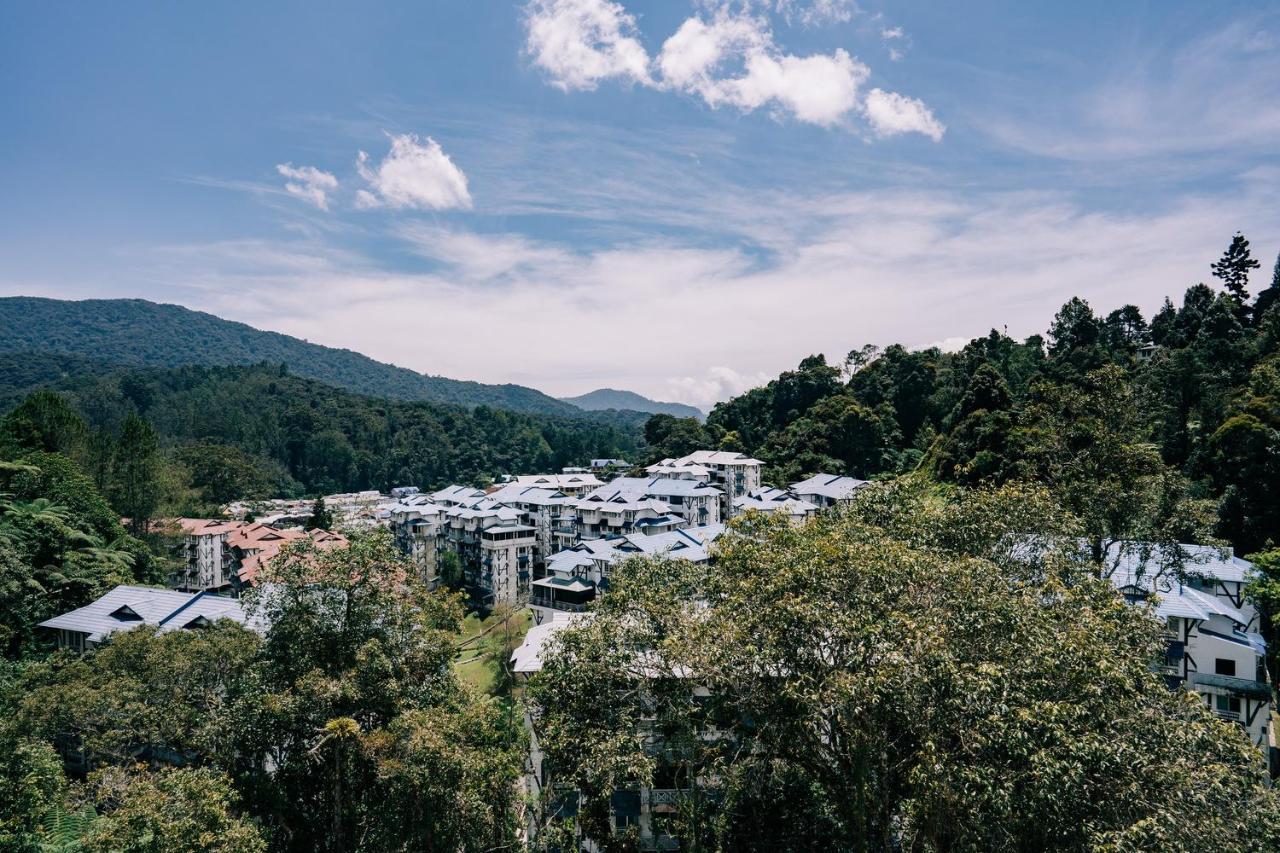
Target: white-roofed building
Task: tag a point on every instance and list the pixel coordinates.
(456, 495)
(695, 501)
(418, 524)
(827, 490)
(735, 473)
(127, 607)
(575, 576)
(1213, 647)
(772, 501)
(546, 510)
(572, 484)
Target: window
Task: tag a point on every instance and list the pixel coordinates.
(1224, 666)
(622, 821)
(1228, 704)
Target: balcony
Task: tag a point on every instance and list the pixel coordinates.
(553, 604)
(663, 796)
(1240, 686)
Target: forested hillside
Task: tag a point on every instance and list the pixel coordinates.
(137, 333)
(1184, 404)
(259, 431)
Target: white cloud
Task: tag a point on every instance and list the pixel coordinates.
(716, 384)
(578, 43)
(308, 183)
(888, 33)
(891, 114)
(819, 89)
(729, 59)
(414, 174)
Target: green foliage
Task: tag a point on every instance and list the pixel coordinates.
(32, 789)
(321, 518)
(246, 431)
(1234, 267)
(920, 681)
(171, 810)
(374, 744)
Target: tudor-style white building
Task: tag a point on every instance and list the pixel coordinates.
(771, 501)
(1213, 645)
(735, 474)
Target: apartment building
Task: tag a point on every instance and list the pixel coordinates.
(576, 576)
(572, 484)
(206, 561)
(695, 501)
(735, 474)
(1213, 646)
(548, 511)
(418, 523)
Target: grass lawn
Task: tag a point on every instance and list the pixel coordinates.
(470, 664)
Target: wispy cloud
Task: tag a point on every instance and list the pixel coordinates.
(308, 183)
(1185, 98)
(667, 316)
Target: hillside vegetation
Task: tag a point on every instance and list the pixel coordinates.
(138, 333)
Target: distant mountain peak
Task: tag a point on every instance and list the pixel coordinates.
(614, 398)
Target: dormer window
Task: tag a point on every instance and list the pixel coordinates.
(197, 623)
(125, 613)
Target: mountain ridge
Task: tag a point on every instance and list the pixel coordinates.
(614, 398)
(142, 333)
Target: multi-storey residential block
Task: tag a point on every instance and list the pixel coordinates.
(575, 576)
(693, 500)
(571, 484)
(418, 526)
(1213, 646)
(206, 560)
(735, 474)
(548, 511)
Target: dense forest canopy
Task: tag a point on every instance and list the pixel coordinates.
(259, 431)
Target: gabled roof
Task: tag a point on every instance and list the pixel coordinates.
(140, 605)
(830, 486)
(717, 457)
(528, 657)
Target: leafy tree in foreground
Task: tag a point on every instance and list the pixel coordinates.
(914, 675)
(372, 743)
(168, 811)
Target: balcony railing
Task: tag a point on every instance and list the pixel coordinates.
(659, 842)
(1243, 686)
(551, 604)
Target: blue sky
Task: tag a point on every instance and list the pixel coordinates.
(681, 198)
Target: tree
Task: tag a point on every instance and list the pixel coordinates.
(32, 789)
(1234, 266)
(1090, 447)
(830, 662)
(320, 518)
(45, 422)
(1268, 296)
(355, 679)
(168, 811)
(135, 490)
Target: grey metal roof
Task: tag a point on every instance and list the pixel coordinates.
(169, 609)
(830, 486)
